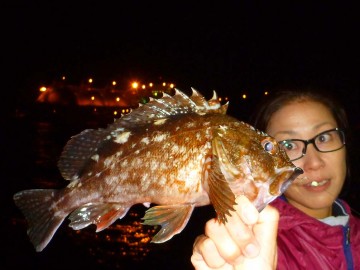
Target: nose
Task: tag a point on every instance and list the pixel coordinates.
(312, 158)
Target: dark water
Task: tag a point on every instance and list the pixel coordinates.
(31, 147)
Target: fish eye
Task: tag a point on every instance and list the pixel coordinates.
(269, 145)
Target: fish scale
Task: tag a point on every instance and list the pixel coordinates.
(173, 154)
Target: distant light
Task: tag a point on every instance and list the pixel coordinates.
(143, 86)
(151, 84)
(115, 112)
(266, 93)
(63, 78)
(164, 84)
(244, 96)
(90, 80)
(114, 83)
(172, 85)
(135, 85)
(117, 99)
(43, 89)
(92, 98)
(219, 99)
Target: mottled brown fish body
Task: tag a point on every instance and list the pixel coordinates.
(177, 152)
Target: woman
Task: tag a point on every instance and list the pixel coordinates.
(316, 230)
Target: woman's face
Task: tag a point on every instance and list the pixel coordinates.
(304, 120)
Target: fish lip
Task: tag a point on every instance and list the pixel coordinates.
(295, 174)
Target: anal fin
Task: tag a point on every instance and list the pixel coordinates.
(172, 218)
(102, 215)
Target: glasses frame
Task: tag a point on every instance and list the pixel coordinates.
(312, 141)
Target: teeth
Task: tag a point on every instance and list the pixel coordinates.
(316, 184)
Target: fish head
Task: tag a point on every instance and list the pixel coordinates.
(253, 164)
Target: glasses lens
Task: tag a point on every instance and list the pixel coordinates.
(330, 141)
(293, 148)
(327, 141)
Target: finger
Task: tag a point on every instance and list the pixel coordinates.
(230, 249)
(205, 255)
(266, 233)
(246, 210)
(239, 227)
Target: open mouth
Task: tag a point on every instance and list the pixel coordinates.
(317, 184)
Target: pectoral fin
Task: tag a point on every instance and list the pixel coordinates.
(102, 215)
(220, 194)
(172, 218)
(230, 171)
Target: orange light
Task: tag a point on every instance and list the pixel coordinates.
(43, 89)
(135, 85)
(92, 98)
(266, 93)
(244, 96)
(151, 84)
(172, 85)
(90, 80)
(117, 99)
(114, 83)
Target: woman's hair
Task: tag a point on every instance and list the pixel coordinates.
(283, 97)
(280, 98)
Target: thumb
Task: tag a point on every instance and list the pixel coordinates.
(265, 231)
(266, 234)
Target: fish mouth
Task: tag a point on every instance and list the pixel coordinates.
(297, 171)
(284, 177)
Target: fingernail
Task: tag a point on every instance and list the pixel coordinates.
(251, 250)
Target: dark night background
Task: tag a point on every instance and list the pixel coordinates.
(229, 46)
(233, 47)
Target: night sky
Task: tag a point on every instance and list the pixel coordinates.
(227, 46)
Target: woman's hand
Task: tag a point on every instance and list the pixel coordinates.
(246, 241)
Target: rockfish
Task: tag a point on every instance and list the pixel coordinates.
(174, 153)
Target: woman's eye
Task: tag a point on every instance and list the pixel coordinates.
(289, 146)
(324, 138)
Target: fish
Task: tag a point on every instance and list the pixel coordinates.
(171, 154)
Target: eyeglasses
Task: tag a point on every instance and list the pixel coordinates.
(327, 141)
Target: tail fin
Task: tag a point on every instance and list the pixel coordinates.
(36, 205)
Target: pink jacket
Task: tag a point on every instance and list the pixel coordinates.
(306, 243)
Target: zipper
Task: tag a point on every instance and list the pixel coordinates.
(347, 248)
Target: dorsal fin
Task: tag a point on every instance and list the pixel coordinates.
(77, 151)
(84, 147)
